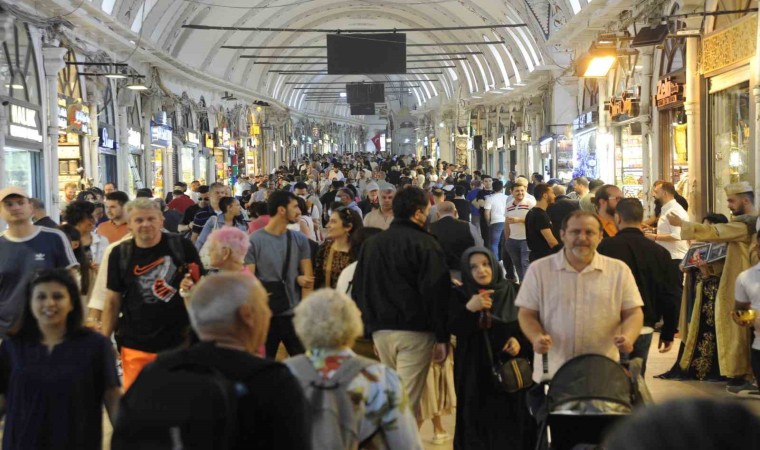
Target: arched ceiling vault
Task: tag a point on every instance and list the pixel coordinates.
(500, 66)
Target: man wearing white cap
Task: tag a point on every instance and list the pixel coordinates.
(739, 234)
(372, 200)
(24, 249)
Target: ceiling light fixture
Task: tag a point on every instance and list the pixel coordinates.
(137, 85)
(597, 63)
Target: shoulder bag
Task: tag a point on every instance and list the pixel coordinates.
(511, 376)
(279, 302)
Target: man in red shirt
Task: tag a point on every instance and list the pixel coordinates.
(180, 202)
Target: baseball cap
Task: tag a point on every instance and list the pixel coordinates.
(12, 190)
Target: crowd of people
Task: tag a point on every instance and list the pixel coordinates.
(390, 287)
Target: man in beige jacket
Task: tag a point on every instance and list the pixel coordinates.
(739, 234)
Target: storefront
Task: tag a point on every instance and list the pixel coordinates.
(136, 152)
(628, 144)
(730, 108)
(23, 141)
(73, 129)
(206, 159)
(563, 150)
(546, 148)
(108, 143)
(160, 155)
(584, 145)
(187, 154)
(222, 169)
(669, 101)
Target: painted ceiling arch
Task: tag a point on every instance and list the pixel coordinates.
(498, 67)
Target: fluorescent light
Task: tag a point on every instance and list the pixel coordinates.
(137, 86)
(342, 95)
(15, 86)
(116, 76)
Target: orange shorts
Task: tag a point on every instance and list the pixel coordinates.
(132, 362)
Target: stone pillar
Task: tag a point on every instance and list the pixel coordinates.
(53, 62)
(645, 112)
(756, 95)
(6, 30)
(695, 194)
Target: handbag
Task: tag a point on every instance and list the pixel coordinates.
(279, 302)
(510, 376)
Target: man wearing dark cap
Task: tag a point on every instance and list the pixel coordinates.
(180, 202)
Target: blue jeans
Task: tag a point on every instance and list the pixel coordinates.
(519, 253)
(495, 232)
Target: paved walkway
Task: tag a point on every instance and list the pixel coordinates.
(661, 390)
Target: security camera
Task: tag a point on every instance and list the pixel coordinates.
(5, 102)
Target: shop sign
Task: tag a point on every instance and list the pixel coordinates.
(105, 140)
(585, 120)
(63, 114)
(668, 92)
(160, 135)
(191, 137)
(255, 129)
(315, 133)
(134, 138)
(222, 137)
(24, 123)
(623, 108)
(208, 140)
(66, 138)
(729, 47)
(79, 118)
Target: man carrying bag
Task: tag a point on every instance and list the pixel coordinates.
(281, 259)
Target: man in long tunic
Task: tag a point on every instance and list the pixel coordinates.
(739, 234)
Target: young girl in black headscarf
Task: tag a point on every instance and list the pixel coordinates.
(486, 417)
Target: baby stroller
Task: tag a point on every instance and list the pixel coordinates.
(587, 395)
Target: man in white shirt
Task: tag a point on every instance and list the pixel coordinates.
(495, 210)
(747, 294)
(669, 236)
(578, 301)
(517, 244)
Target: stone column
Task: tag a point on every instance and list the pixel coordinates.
(53, 62)
(695, 194)
(756, 95)
(6, 30)
(645, 111)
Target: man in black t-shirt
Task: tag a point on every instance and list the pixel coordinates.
(538, 225)
(230, 315)
(185, 225)
(143, 289)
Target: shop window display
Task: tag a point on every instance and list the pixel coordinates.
(730, 141)
(19, 167)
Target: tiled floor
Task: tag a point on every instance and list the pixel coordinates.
(661, 390)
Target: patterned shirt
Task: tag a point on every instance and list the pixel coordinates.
(382, 401)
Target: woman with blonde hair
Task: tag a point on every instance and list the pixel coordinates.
(328, 323)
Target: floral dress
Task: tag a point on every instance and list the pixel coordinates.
(380, 402)
(327, 268)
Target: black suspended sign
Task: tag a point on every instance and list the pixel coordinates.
(356, 54)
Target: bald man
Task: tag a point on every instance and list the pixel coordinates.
(454, 235)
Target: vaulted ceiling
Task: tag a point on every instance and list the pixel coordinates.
(483, 67)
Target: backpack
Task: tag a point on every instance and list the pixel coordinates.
(181, 406)
(176, 250)
(333, 422)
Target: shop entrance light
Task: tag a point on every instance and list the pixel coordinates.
(597, 63)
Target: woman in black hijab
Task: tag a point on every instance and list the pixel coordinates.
(487, 418)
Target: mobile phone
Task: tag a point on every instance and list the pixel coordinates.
(195, 271)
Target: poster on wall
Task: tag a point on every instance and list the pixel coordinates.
(584, 150)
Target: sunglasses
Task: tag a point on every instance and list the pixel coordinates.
(203, 199)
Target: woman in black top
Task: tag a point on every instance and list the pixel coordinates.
(487, 418)
(56, 375)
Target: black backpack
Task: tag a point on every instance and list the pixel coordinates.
(182, 406)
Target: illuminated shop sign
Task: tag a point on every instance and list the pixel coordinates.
(63, 114)
(79, 118)
(191, 137)
(134, 138)
(222, 137)
(105, 140)
(624, 107)
(24, 123)
(160, 135)
(668, 93)
(208, 140)
(585, 120)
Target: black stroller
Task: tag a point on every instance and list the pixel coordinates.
(587, 395)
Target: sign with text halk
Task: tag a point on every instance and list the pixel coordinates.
(24, 123)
